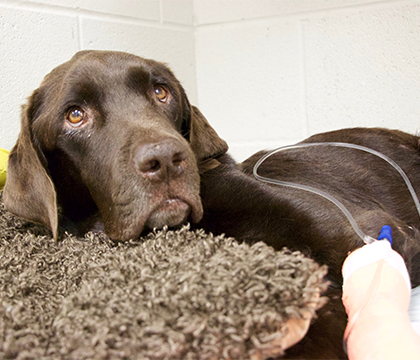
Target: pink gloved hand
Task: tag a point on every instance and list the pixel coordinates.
(376, 294)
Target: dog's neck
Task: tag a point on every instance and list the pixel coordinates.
(208, 164)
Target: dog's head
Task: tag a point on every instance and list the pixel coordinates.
(114, 134)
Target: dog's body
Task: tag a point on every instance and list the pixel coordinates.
(111, 141)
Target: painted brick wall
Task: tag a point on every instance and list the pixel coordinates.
(264, 72)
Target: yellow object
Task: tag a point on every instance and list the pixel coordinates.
(4, 156)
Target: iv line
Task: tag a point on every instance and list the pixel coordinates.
(366, 238)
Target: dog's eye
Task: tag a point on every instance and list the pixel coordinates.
(161, 93)
(76, 116)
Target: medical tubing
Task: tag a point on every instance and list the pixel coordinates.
(366, 238)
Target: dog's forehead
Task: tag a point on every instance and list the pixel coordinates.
(93, 76)
(115, 66)
(104, 68)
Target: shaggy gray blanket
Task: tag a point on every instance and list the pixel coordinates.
(171, 295)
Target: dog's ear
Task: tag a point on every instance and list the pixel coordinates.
(29, 191)
(204, 141)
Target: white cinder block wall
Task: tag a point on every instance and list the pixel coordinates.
(270, 73)
(264, 72)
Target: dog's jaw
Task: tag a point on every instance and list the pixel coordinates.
(143, 208)
(171, 212)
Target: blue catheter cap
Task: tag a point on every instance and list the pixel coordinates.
(386, 233)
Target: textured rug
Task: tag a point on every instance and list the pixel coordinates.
(171, 295)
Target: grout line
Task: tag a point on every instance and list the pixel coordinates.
(303, 80)
(160, 12)
(90, 14)
(197, 92)
(194, 33)
(80, 33)
(309, 13)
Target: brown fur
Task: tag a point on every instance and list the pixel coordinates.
(136, 163)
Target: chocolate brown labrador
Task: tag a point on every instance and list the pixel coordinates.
(109, 142)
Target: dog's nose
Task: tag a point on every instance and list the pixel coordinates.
(161, 160)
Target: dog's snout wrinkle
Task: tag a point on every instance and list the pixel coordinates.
(160, 161)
